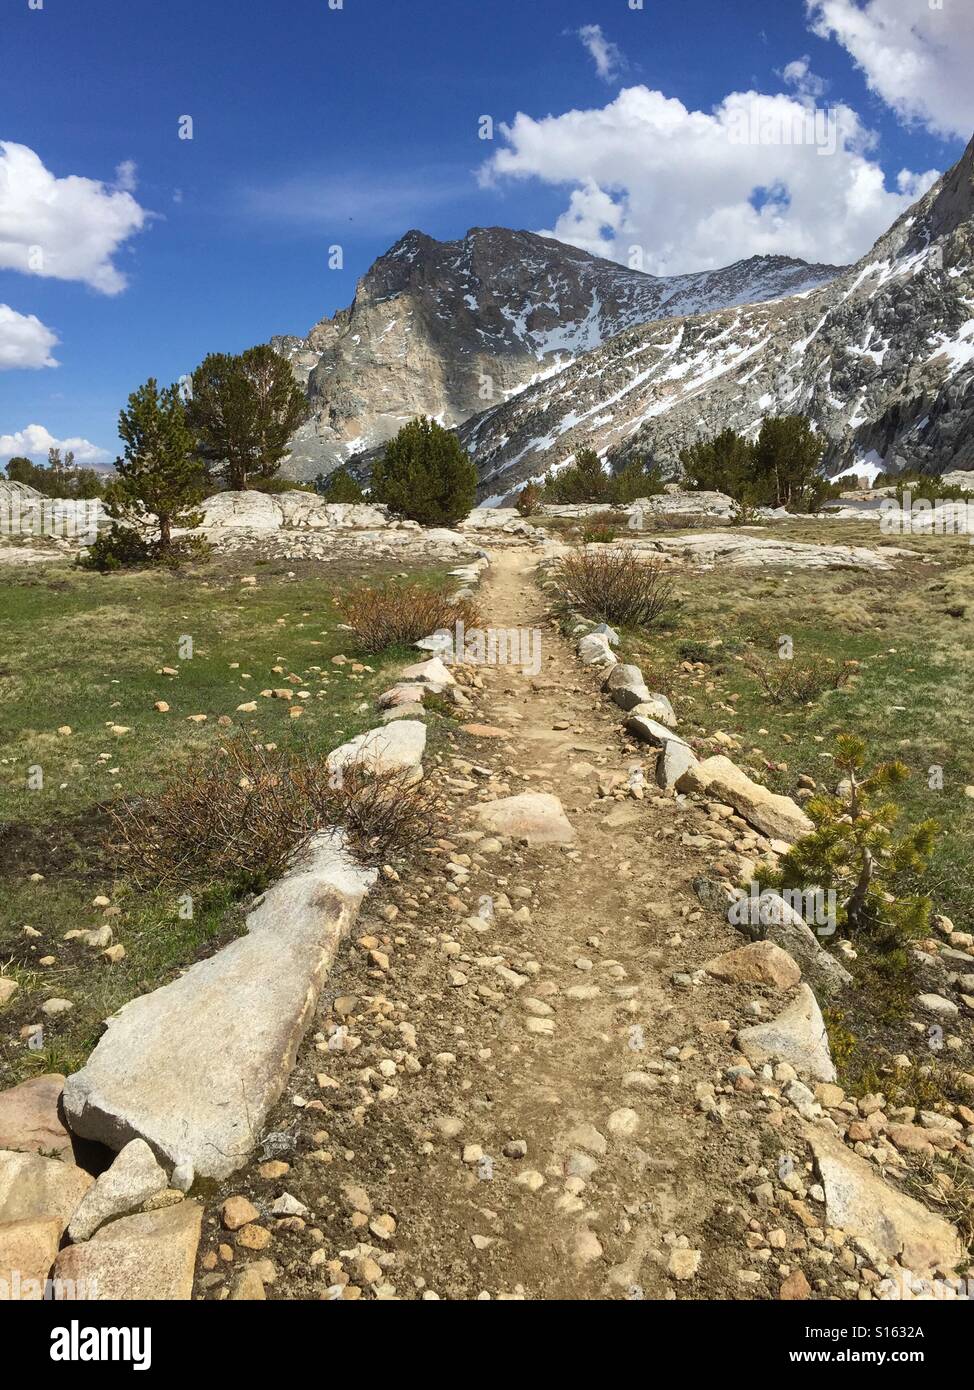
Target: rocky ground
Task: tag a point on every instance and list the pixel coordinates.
(522, 1083)
(543, 1065)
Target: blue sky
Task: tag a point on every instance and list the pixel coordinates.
(315, 126)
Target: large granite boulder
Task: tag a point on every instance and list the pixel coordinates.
(194, 1068)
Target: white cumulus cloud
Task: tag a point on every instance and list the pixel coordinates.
(916, 56)
(34, 442)
(64, 228)
(24, 340)
(606, 55)
(759, 175)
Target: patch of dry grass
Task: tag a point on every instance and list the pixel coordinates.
(397, 614)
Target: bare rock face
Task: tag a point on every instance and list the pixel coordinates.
(440, 328)
(728, 550)
(287, 511)
(881, 359)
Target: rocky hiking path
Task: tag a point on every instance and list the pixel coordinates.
(513, 1086)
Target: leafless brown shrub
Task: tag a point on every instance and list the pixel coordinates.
(613, 586)
(797, 682)
(397, 614)
(242, 815)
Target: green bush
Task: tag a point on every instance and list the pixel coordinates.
(425, 475)
(338, 486)
(118, 547)
(587, 481)
(855, 851)
(781, 468)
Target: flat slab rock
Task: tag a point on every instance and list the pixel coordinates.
(536, 817)
(132, 1179)
(776, 816)
(395, 750)
(797, 1036)
(194, 1067)
(34, 1188)
(886, 1223)
(742, 551)
(148, 1256)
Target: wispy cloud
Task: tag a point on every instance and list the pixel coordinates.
(606, 55)
(372, 202)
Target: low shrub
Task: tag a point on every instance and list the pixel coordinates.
(275, 486)
(241, 816)
(613, 586)
(118, 547)
(798, 682)
(123, 547)
(398, 614)
(528, 500)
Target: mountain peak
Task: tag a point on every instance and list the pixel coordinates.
(445, 328)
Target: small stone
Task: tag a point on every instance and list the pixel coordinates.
(795, 1288)
(254, 1237)
(683, 1264)
(248, 1286)
(53, 1007)
(237, 1212)
(275, 1168)
(623, 1123)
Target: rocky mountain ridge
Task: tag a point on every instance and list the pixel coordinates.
(443, 328)
(881, 359)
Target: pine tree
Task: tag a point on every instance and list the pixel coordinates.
(787, 463)
(855, 852)
(20, 469)
(528, 500)
(242, 411)
(338, 486)
(425, 475)
(585, 480)
(640, 478)
(724, 463)
(160, 475)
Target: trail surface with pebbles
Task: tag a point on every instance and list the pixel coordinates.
(516, 1085)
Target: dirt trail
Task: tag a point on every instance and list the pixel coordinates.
(558, 1028)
